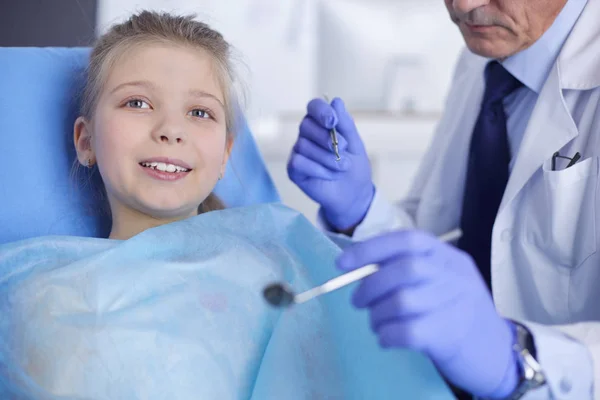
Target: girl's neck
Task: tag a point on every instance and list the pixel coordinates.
(127, 222)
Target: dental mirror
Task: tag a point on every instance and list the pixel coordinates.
(280, 295)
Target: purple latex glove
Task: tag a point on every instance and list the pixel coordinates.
(343, 188)
(429, 296)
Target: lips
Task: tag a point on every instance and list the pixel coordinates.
(165, 169)
(479, 28)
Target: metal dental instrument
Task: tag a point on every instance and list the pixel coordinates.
(333, 134)
(279, 295)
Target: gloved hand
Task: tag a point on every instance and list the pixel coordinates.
(429, 296)
(343, 188)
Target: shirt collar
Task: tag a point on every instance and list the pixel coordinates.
(532, 65)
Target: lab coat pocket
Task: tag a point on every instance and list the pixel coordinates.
(568, 220)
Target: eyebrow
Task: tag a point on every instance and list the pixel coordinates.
(150, 85)
(146, 84)
(202, 93)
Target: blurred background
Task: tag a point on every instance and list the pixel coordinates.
(390, 60)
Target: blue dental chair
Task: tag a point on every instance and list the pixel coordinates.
(39, 195)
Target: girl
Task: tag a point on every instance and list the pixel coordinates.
(158, 119)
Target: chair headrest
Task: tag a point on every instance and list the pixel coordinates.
(39, 195)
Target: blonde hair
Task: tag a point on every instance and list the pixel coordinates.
(152, 27)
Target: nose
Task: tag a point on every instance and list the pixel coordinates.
(171, 137)
(462, 7)
(169, 130)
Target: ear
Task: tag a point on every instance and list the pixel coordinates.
(82, 139)
(228, 148)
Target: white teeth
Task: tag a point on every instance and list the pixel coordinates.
(164, 167)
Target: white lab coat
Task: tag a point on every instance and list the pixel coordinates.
(545, 258)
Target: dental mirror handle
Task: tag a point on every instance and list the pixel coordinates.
(357, 274)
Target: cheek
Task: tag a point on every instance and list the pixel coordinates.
(114, 138)
(521, 16)
(211, 149)
(114, 142)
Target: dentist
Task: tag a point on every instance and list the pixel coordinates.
(513, 310)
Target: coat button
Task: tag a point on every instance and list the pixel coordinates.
(565, 385)
(506, 235)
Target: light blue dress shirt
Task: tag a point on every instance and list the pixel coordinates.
(532, 67)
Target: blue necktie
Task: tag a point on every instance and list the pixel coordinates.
(488, 168)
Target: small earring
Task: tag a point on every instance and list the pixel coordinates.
(220, 175)
(88, 162)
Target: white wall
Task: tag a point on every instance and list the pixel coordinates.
(372, 51)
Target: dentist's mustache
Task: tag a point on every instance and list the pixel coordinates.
(480, 17)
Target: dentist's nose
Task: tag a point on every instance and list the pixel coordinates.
(462, 7)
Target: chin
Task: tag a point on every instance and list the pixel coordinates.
(489, 48)
(173, 214)
(169, 211)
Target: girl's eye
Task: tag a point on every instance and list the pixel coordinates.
(136, 103)
(199, 113)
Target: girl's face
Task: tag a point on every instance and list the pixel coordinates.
(158, 133)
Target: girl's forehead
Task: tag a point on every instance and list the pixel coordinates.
(166, 66)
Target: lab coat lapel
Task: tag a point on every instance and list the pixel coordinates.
(551, 125)
(550, 128)
(579, 59)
